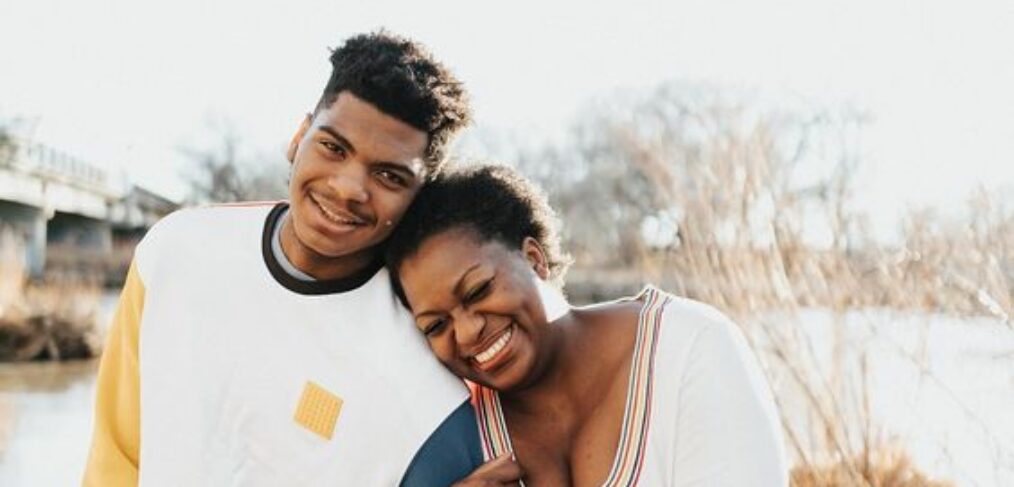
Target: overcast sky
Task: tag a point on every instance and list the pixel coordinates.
(125, 83)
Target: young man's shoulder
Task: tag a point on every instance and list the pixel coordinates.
(211, 218)
(194, 230)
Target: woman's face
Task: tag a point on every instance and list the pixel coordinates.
(480, 306)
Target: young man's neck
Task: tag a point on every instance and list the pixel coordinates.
(319, 267)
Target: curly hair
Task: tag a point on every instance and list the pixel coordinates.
(495, 202)
(402, 79)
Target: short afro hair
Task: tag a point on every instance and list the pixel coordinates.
(494, 202)
(402, 79)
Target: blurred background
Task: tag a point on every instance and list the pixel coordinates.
(838, 176)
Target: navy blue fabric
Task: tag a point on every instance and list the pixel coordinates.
(451, 453)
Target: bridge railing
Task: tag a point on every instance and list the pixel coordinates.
(46, 161)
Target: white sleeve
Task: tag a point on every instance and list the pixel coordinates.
(727, 429)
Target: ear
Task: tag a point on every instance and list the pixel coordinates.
(290, 154)
(536, 257)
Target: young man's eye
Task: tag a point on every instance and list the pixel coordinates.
(334, 148)
(391, 177)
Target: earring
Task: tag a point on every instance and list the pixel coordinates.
(388, 223)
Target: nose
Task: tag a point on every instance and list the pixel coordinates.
(349, 184)
(468, 327)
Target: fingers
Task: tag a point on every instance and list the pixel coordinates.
(503, 468)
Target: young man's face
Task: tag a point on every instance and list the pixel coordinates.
(355, 170)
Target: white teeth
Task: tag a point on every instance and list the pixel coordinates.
(495, 348)
(333, 216)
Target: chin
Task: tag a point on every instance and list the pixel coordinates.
(323, 246)
(514, 378)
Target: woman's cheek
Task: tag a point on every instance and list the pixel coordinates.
(442, 349)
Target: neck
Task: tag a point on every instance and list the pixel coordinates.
(321, 267)
(552, 390)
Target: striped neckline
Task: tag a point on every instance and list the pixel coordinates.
(629, 456)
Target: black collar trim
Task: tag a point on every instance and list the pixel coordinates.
(332, 286)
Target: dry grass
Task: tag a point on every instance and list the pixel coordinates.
(888, 466)
(53, 320)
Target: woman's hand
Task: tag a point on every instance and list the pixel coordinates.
(500, 471)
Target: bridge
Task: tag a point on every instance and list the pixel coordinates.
(66, 214)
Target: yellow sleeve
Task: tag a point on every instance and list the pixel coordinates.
(113, 460)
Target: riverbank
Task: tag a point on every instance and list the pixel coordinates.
(51, 321)
(56, 318)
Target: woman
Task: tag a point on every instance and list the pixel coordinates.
(648, 390)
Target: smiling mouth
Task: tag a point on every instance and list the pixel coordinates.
(493, 350)
(338, 217)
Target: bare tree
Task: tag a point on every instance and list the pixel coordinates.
(222, 173)
(8, 144)
(684, 181)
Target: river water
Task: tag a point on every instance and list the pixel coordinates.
(943, 387)
(45, 410)
(46, 417)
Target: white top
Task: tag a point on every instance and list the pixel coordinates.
(699, 411)
(227, 354)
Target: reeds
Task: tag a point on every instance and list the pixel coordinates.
(52, 320)
(888, 466)
(750, 210)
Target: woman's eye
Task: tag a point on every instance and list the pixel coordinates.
(434, 327)
(478, 292)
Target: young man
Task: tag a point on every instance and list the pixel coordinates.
(260, 344)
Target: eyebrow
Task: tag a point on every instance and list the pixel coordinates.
(457, 290)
